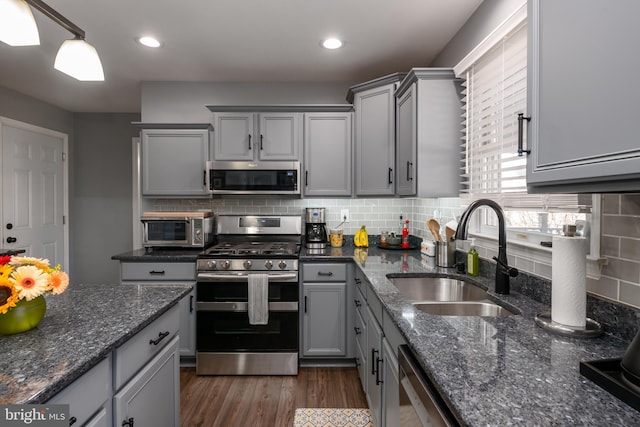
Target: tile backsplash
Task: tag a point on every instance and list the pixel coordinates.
(620, 236)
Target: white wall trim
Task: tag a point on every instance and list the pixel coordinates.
(505, 27)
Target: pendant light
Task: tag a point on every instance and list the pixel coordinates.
(17, 25)
(80, 60)
(76, 57)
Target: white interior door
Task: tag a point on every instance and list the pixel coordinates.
(34, 191)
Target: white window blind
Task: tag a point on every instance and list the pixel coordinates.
(495, 91)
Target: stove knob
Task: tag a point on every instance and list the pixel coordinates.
(247, 265)
(226, 264)
(211, 265)
(268, 264)
(282, 264)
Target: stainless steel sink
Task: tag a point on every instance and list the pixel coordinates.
(420, 289)
(466, 308)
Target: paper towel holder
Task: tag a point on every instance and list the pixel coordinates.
(592, 328)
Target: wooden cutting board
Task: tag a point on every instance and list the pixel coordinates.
(171, 214)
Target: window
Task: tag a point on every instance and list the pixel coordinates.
(495, 91)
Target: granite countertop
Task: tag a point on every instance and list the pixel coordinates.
(494, 371)
(159, 255)
(79, 329)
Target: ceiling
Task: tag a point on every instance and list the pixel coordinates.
(229, 40)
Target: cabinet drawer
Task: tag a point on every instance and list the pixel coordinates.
(88, 394)
(376, 306)
(324, 272)
(359, 302)
(392, 333)
(136, 352)
(157, 271)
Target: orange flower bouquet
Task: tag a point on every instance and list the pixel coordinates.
(23, 282)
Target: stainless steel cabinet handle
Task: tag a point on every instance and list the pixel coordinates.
(521, 119)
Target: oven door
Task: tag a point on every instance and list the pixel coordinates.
(223, 320)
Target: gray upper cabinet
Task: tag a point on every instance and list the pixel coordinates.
(583, 132)
(173, 162)
(257, 136)
(428, 133)
(327, 154)
(374, 135)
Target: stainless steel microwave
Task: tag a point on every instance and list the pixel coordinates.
(254, 178)
(178, 229)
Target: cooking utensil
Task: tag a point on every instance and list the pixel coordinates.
(450, 229)
(434, 227)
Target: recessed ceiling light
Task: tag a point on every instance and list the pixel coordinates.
(332, 43)
(149, 41)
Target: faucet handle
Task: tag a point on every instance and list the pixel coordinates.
(511, 271)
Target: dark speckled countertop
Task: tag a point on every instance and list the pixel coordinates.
(79, 329)
(494, 371)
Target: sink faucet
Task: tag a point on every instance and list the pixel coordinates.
(503, 271)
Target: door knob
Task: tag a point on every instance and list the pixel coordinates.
(11, 240)
(9, 226)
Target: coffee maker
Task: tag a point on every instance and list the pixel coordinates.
(315, 228)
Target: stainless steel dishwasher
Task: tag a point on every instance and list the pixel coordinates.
(420, 402)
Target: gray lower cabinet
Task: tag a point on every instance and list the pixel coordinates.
(137, 383)
(173, 162)
(377, 354)
(583, 133)
(169, 273)
(375, 368)
(428, 133)
(151, 398)
(89, 397)
(326, 324)
(327, 154)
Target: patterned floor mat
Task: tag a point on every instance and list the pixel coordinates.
(332, 417)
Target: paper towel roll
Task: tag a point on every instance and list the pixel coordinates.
(568, 281)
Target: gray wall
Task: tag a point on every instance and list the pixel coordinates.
(483, 21)
(100, 182)
(101, 222)
(184, 102)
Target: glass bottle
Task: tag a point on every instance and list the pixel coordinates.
(473, 262)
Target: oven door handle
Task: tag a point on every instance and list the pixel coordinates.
(242, 277)
(241, 306)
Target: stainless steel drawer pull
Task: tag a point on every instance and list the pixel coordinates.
(161, 336)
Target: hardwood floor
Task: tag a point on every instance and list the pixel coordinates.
(264, 401)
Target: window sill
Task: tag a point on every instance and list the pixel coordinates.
(525, 255)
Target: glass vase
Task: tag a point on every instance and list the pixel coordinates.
(23, 317)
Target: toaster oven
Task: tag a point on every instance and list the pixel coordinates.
(178, 229)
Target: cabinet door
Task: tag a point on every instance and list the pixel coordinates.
(188, 324)
(152, 397)
(583, 132)
(234, 136)
(374, 141)
(324, 319)
(375, 368)
(391, 390)
(280, 136)
(406, 143)
(327, 154)
(174, 162)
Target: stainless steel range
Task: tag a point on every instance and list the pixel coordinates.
(247, 297)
